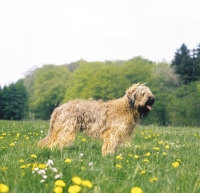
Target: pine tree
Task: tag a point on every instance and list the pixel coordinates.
(187, 65)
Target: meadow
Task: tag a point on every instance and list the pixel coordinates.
(157, 160)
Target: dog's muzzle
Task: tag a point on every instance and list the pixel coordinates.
(150, 102)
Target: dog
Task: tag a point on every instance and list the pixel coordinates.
(112, 121)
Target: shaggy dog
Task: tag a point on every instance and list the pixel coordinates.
(112, 121)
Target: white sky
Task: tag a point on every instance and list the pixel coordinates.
(37, 32)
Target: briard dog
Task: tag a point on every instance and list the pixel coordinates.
(112, 121)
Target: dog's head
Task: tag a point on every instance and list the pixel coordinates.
(141, 98)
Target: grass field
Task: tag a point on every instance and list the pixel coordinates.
(158, 160)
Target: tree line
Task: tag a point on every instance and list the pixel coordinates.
(176, 87)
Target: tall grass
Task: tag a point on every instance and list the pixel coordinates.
(158, 160)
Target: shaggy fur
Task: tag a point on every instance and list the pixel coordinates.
(112, 121)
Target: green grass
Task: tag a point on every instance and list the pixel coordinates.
(152, 150)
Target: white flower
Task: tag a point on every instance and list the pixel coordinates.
(81, 155)
(35, 169)
(90, 164)
(54, 170)
(58, 176)
(49, 162)
(44, 176)
(43, 180)
(41, 172)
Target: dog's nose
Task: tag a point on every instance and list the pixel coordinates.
(152, 99)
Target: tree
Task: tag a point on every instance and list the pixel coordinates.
(48, 89)
(184, 65)
(13, 101)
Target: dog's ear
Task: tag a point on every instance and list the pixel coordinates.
(131, 94)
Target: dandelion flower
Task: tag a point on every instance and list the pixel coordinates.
(119, 157)
(83, 140)
(166, 146)
(21, 160)
(147, 154)
(74, 189)
(153, 179)
(136, 156)
(164, 153)
(68, 160)
(142, 172)
(42, 166)
(12, 144)
(146, 160)
(118, 166)
(23, 167)
(4, 188)
(76, 180)
(58, 189)
(60, 183)
(33, 156)
(136, 190)
(156, 148)
(87, 183)
(175, 164)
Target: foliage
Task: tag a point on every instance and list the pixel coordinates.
(47, 90)
(158, 160)
(13, 100)
(187, 65)
(176, 103)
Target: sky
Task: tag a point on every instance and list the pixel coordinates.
(38, 32)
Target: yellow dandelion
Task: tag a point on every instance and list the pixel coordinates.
(83, 168)
(147, 154)
(21, 160)
(68, 160)
(146, 160)
(87, 183)
(156, 148)
(178, 160)
(136, 156)
(167, 147)
(130, 155)
(161, 142)
(175, 164)
(138, 146)
(42, 166)
(60, 183)
(4, 188)
(76, 180)
(142, 172)
(34, 165)
(136, 190)
(4, 134)
(12, 144)
(74, 189)
(33, 156)
(164, 153)
(119, 157)
(58, 189)
(4, 168)
(118, 166)
(23, 167)
(153, 179)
